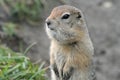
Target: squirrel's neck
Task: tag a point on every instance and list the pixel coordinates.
(83, 44)
(74, 46)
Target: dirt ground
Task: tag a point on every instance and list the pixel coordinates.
(103, 20)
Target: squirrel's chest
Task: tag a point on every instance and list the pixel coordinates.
(61, 54)
(79, 59)
(60, 59)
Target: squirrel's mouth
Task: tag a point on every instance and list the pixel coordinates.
(51, 28)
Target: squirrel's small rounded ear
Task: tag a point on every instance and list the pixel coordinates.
(79, 15)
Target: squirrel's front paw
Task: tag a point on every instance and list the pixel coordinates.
(54, 66)
(67, 73)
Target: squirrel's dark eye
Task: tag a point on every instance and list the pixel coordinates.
(65, 16)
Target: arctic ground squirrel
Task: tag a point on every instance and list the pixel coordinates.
(71, 50)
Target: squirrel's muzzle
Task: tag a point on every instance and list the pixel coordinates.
(48, 24)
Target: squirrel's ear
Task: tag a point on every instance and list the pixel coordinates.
(79, 15)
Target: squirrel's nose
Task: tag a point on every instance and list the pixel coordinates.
(48, 23)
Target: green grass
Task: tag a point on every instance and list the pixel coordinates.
(23, 9)
(9, 28)
(15, 66)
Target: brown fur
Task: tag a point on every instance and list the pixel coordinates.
(56, 12)
(80, 59)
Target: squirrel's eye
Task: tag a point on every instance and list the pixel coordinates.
(65, 16)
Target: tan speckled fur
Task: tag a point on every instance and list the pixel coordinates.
(70, 44)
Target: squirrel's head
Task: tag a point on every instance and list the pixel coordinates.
(66, 24)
